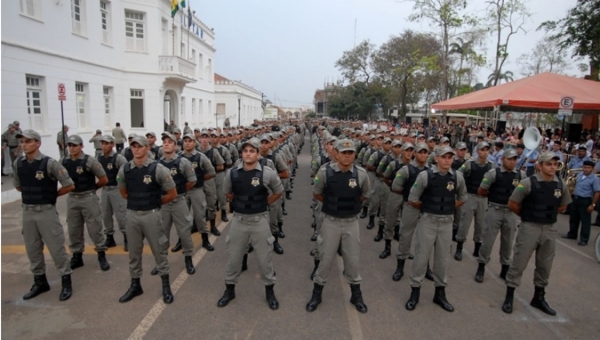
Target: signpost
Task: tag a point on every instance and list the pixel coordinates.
(62, 96)
(565, 107)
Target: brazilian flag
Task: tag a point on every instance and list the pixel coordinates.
(174, 7)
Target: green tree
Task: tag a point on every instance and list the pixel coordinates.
(546, 56)
(355, 63)
(496, 78)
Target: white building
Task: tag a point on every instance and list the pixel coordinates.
(236, 101)
(121, 61)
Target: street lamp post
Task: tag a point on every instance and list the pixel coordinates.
(239, 96)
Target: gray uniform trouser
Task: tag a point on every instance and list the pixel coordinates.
(210, 190)
(531, 237)
(85, 209)
(196, 202)
(113, 204)
(146, 224)
(319, 216)
(410, 218)
(253, 229)
(475, 206)
(42, 226)
(274, 210)
(382, 192)
(457, 217)
(333, 231)
(394, 207)
(177, 212)
(98, 153)
(434, 232)
(219, 179)
(374, 198)
(498, 219)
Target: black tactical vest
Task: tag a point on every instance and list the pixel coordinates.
(325, 160)
(209, 155)
(541, 205)
(36, 185)
(341, 197)
(413, 172)
(178, 176)
(196, 161)
(439, 197)
(249, 193)
(110, 167)
(129, 154)
(83, 177)
(457, 163)
(143, 192)
(473, 181)
(503, 187)
(398, 164)
(154, 151)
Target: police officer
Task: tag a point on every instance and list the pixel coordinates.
(498, 184)
(97, 143)
(155, 150)
(61, 138)
(459, 160)
(537, 199)
(586, 194)
(112, 201)
(220, 177)
(371, 161)
(83, 205)
(436, 192)
(247, 187)
(10, 140)
(127, 152)
(36, 176)
(382, 191)
(210, 186)
(473, 171)
(140, 182)
(341, 186)
(119, 136)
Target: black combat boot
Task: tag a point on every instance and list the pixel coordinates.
(387, 251)
(379, 235)
(412, 302)
(205, 243)
(166, 289)
(177, 246)
(312, 275)
(314, 236)
(67, 288)
(245, 263)
(371, 222)
(428, 273)
(134, 290)
(281, 233)
(440, 299)
(77, 260)
(110, 241)
(507, 306)
(504, 271)
(194, 228)
(189, 266)
(288, 195)
(540, 303)
(476, 250)
(283, 211)
(363, 213)
(224, 216)
(480, 272)
(271, 299)
(454, 232)
(125, 244)
(399, 273)
(227, 296)
(315, 300)
(154, 271)
(356, 298)
(213, 228)
(397, 232)
(40, 285)
(102, 260)
(458, 254)
(276, 247)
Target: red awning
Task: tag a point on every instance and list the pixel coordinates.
(541, 92)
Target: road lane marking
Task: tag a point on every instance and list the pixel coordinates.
(576, 250)
(353, 320)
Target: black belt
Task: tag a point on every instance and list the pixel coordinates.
(13, 147)
(581, 198)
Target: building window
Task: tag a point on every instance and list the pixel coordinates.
(201, 65)
(201, 109)
(210, 107)
(107, 92)
(194, 118)
(78, 16)
(31, 8)
(193, 56)
(80, 105)
(135, 32)
(34, 103)
(182, 54)
(106, 21)
(137, 108)
(220, 109)
(210, 71)
(182, 106)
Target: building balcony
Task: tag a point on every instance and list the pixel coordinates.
(178, 69)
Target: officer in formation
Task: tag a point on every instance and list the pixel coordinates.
(10, 141)
(226, 141)
(537, 200)
(61, 138)
(36, 176)
(155, 150)
(127, 152)
(97, 143)
(459, 160)
(341, 187)
(497, 185)
(361, 161)
(210, 186)
(113, 204)
(141, 183)
(436, 193)
(247, 187)
(220, 177)
(476, 206)
(585, 197)
(393, 155)
(373, 157)
(380, 194)
(83, 205)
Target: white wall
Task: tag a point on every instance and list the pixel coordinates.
(250, 102)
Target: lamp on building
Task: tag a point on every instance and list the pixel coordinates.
(239, 97)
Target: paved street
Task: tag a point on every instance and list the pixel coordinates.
(93, 312)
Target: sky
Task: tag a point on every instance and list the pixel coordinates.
(288, 48)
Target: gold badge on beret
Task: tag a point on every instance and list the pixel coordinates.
(557, 193)
(79, 170)
(39, 175)
(147, 179)
(450, 186)
(352, 183)
(255, 181)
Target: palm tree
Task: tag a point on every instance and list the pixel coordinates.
(464, 49)
(506, 76)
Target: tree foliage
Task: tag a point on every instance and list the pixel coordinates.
(355, 63)
(546, 56)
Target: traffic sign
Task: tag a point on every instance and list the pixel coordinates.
(565, 106)
(62, 92)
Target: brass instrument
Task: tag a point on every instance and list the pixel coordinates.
(572, 178)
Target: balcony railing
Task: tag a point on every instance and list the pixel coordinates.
(177, 67)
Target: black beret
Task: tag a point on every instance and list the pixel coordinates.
(590, 163)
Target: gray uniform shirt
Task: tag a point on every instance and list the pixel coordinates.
(225, 154)
(217, 159)
(280, 165)
(97, 142)
(490, 177)
(92, 165)
(524, 189)
(421, 183)
(387, 173)
(402, 176)
(162, 174)
(119, 135)
(466, 168)
(205, 163)
(185, 167)
(321, 179)
(270, 180)
(55, 170)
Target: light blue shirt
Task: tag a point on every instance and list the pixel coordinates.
(560, 155)
(586, 187)
(534, 155)
(577, 163)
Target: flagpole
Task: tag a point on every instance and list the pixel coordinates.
(190, 19)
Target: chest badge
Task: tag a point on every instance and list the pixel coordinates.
(79, 170)
(255, 181)
(39, 175)
(147, 179)
(450, 186)
(109, 166)
(557, 193)
(515, 182)
(195, 165)
(352, 183)
(173, 171)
